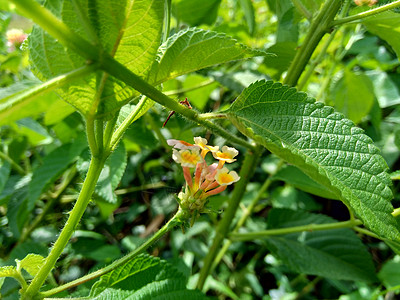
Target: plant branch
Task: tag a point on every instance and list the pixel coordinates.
(310, 227)
(319, 27)
(247, 170)
(366, 14)
(302, 9)
(68, 38)
(174, 221)
(96, 165)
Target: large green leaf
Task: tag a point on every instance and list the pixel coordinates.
(323, 144)
(336, 254)
(128, 30)
(144, 277)
(194, 49)
(386, 25)
(31, 263)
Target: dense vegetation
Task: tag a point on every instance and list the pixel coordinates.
(277, 178)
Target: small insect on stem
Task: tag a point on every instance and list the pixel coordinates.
(185, 103)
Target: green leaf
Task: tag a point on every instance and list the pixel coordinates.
(196, 12)
(386, 25)
(144, 277)
(31, 263)
(5, 169)
(248, 9)
(390, 274)
(336, 253)
(385, 89)
(353, 95)
(111, 174)
(8, 271)
(52, 167)
(128, 30)
(194, 49)
(12, 109)
(294, 176)
(323, 144)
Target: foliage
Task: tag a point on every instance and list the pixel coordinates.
(306, 90)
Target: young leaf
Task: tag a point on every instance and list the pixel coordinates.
(144, 277)
(323, 144)
(31, 263)
(128, 30)
(336, 254)
(8, 271)
(194, 49)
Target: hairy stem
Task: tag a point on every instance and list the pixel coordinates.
(174, 221)
(247, 170)
(96, 165)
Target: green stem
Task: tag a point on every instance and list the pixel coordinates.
(309, 227)
(16, 101)
(319, 27)
(96, 165)
(91, 136)
(167, 19)
(68, 38)
(13, 164)
(246, 213)
(174, 221)
(217, 115)
(396, 212)
(366, 14)
(247, 170)
(108, 131)
(70, 175)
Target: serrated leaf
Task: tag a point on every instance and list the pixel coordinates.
(52, 167)
(386, 25)
(335, 253)
(128, 30)
(324, 145)
(32, 263)
(8, 271)
(110, 175)
(144, 277)
(353, 95)
(196, 12)
(194, 49)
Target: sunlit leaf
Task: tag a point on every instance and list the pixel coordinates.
(324, 145)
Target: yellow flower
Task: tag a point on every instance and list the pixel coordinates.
(187, 157)
(202, 143)
(226, 155)
(224, 177)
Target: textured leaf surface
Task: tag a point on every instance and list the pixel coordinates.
(128, 30)
(32, 263)
(386, 25)
(53, 165)
(144, 277)
(337, 253)
(193, 49)
(323, 144)
(8, 271)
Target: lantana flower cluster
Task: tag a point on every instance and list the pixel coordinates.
(207, 180)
